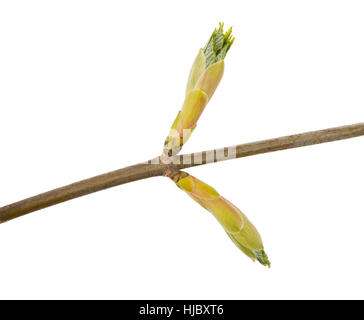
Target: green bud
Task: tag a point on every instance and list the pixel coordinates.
(205, 75)
(240, 230)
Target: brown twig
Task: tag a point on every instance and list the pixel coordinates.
(156, 168)
(270, 145)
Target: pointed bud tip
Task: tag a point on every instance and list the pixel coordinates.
(262, 257)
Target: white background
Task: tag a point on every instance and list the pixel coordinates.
(91, 86)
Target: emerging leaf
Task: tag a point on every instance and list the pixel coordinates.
(218, 45)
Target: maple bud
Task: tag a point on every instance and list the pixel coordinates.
(235, 223)
(205, 75)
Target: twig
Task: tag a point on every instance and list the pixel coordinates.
(270, 145)
(155, 168)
